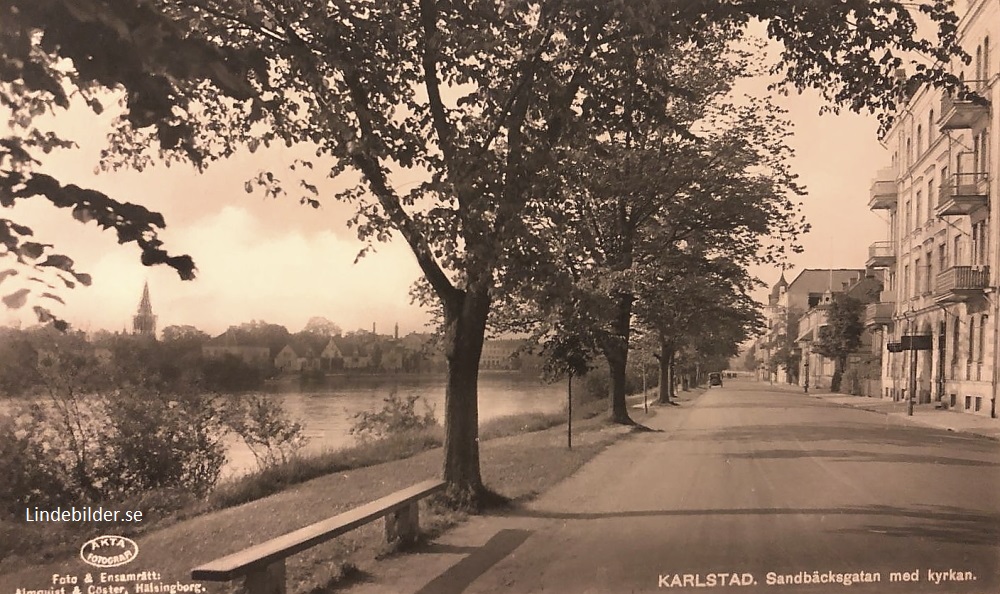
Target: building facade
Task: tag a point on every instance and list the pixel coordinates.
(939, 196)
(780, 349)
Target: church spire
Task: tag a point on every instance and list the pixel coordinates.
(144, 322)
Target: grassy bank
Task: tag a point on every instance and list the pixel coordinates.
(521, 455)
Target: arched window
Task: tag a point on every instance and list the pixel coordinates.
(920, 140)
(930, 128)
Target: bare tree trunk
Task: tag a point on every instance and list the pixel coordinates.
(465, 328)
(666, 375)
(673, 375)
(615, 348)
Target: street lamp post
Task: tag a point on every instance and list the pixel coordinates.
(911, 385)
(805, 370)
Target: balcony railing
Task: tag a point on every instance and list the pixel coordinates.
(961, 283)
(957, 114)
(879, 314)
(881, 255)
(963, 194)
(883, 193)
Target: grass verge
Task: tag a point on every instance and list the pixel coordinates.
(517, 459)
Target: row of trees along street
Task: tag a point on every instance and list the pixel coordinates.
(585, 160)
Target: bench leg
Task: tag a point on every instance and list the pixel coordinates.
(403, 525)
(269, 580)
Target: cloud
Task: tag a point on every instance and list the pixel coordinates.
(247, 270)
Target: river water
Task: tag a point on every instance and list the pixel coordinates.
(327, 411)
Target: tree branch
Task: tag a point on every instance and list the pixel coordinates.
(444, 128)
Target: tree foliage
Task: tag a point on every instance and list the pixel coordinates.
(842, 334)
(785, 351)
(480, 102)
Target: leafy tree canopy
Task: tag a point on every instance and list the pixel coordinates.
(844, 326)
(476, 101)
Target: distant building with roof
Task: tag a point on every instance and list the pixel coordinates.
(227, 344)
(144, 322)
(787, 303)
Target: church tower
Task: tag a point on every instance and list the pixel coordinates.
(144, 322)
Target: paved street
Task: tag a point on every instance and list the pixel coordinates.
(737, 486)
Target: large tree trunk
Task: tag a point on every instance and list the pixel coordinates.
(465, 327)
(673, 375)
(615, 348)
(666, 373)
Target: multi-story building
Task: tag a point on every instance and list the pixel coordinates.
(865, 288)
(777, 349)
(940, 195)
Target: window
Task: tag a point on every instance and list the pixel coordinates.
(908, 222)
(920, 140)
(979, 67)
(930, 128)
(909, 153)
(968, 402)
(906, 282)
(975, 243)
(979, 241)
(982, 335)
(981, 254)
(979, 403)
(954, 343)
(929, 286)
(930, 198)
(918, 219)
(942, 256)
(986, 58)
(978, 156)
(918, 280)
(956, 253)
(980, 160)
(972, 338)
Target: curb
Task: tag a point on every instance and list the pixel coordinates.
(911, 420)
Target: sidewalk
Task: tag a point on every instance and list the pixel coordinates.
(923, 414)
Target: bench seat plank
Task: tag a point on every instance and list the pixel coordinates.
(265, 553)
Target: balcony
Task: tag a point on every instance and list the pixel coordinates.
(963, 194)
(879, 314)
(958, 114)
(880, 255)
(961, 283)
(883, 192)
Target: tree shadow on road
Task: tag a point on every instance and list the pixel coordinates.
(856, 456)
(939, 523)
(879, 435)
(944, 523)
(479, 560)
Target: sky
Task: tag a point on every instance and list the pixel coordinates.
(276, 260)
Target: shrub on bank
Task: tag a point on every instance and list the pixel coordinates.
(397, 415)
(263, 424)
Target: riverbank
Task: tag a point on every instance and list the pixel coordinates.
(517, 467)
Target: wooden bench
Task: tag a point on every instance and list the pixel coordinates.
(263, 566)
